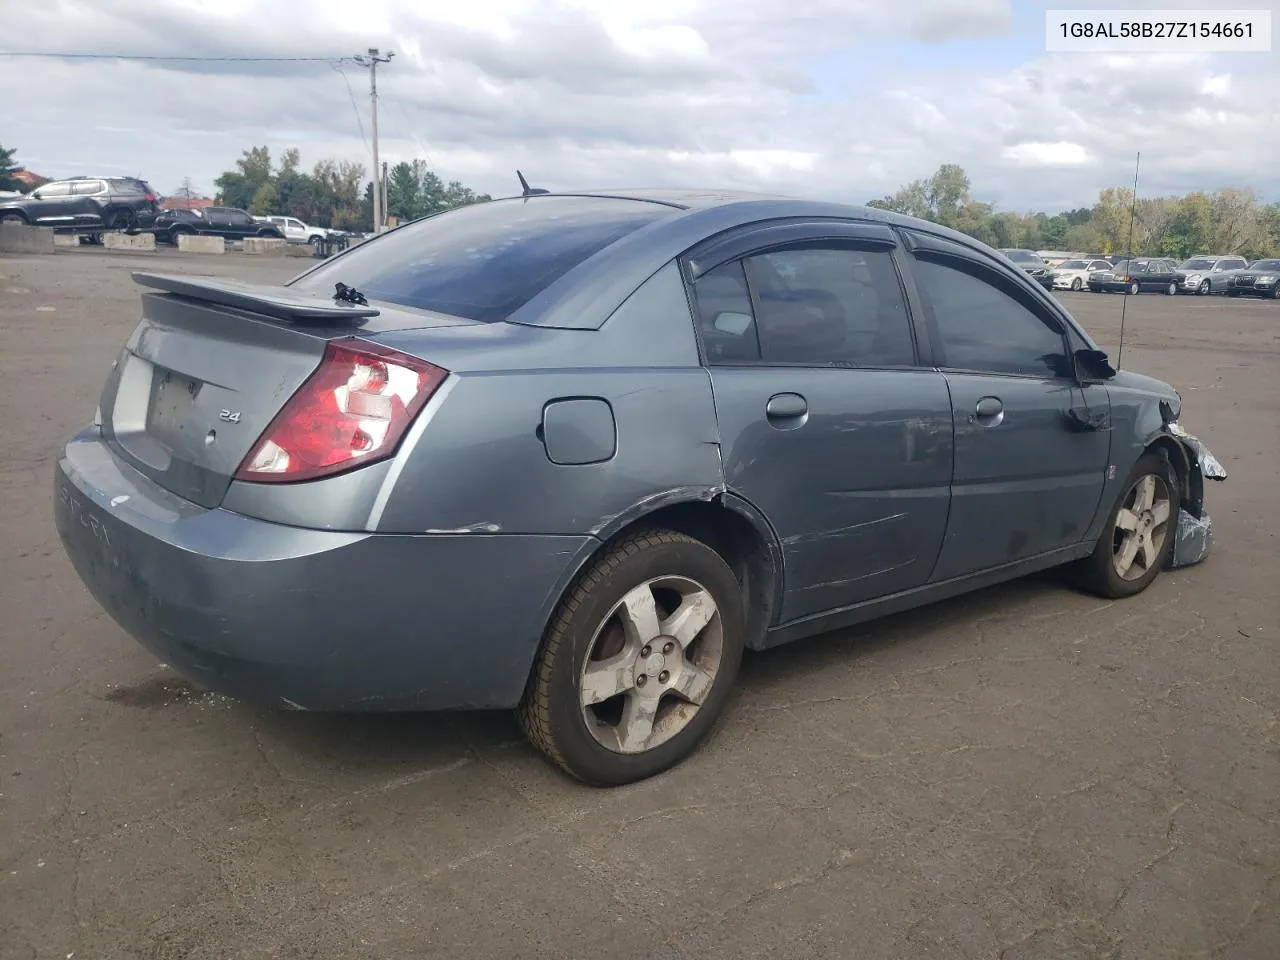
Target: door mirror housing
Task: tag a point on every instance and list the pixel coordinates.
(37, 195)
(1093, 365)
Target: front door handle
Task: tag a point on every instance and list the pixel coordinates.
(989, 412)
(785, 408)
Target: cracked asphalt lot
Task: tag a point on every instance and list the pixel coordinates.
(1022, 773)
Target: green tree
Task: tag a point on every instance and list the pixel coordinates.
(7, 169)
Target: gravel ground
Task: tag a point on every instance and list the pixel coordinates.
(1026, 772)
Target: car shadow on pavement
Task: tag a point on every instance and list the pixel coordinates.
(378, 744)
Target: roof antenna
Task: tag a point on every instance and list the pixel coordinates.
(1133, 209)
(528, 190)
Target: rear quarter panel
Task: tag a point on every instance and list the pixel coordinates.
(478, 462)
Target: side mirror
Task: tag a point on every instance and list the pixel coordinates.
(37, 195)
(1094, 365)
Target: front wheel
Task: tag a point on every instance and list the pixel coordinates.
(638, 662)
(13, 218)
(1076, 284)
(1205, 288)
(1136, 542)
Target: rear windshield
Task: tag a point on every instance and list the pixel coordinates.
(486, 260)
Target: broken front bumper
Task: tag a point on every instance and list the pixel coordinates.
(1193, 539)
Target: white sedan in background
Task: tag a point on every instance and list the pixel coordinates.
(1074, 274)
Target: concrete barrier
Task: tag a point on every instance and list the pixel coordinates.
(299, 250)
(66, 239)
(194, 243)
(268, 246)
(20, 238)
(125, 241)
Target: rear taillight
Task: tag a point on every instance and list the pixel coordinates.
(353, 410)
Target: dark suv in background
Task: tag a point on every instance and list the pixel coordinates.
(1033, 264)
(86, 203)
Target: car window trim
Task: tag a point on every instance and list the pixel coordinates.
(960, 262)
(849, 239)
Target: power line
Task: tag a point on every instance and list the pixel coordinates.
(149, 57)
(351, 93)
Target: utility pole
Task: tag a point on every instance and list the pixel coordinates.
(371, 60)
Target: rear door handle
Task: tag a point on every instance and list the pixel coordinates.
(988, 412)
(785, 407)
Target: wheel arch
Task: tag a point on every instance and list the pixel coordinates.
(727, 523)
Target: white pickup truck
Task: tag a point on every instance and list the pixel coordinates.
(295, 231)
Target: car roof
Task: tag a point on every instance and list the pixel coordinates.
(592, 290)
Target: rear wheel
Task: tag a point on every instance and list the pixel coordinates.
(1134, 289)
(638, 662)
(176, 232)
(1171, 290)
(1136, 543)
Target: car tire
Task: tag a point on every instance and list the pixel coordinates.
(176, 232)
(13, 217)
(1205, 288)
(1275, 292)
(1112, 570)
(1076, 284)
(1134, 289)
(601, 619)
(1171, 290)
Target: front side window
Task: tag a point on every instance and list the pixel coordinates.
(52, 191)
(982, 326)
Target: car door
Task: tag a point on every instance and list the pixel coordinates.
(1030, 460)
(829, 425)
(54, 206)
(82, 205)
(1163, 274)
(295, 231)
(240, 224)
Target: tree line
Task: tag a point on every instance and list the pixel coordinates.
(1229, 220)
(335, 192)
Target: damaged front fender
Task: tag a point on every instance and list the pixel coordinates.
(1193, 539)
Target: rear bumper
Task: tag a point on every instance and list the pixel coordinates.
(312, 619)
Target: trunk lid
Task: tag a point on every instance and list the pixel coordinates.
(210, 364)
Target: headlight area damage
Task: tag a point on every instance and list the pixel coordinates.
(1194, 538)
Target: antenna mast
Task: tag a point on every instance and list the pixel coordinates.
(1133, 209)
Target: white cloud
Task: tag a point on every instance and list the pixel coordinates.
(661, 93)
(1038, 154)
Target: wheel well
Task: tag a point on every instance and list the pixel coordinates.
(14, 215)
(737, 540)
(1172, 451)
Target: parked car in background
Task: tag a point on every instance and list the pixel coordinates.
(1033, 264)
(295, 231)
(1206, 275)
(659, 427)
(1137, 275)
(1260, 279)
(1074, 274)
(167, 220)
(226, 222)
(80, 203)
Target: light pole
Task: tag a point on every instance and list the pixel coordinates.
(371, 60)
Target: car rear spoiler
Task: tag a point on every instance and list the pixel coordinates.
(268, 300)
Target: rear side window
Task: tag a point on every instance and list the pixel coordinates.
(816, 305)
(486, 260)
(823, 305)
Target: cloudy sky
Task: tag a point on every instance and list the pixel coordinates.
(840, 99)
